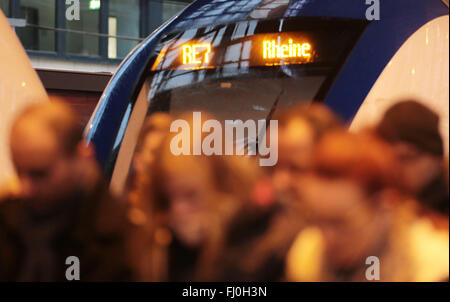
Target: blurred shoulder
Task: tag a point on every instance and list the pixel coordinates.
(429, 250)
(9, 189)
(421, 238)
(304, 261)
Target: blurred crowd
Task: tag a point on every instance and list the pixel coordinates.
(338, 206)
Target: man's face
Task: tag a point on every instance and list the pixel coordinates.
(296, 144)
(417, 169)
(339, 208)
(44, 170)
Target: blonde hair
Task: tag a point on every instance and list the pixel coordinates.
(232, 179)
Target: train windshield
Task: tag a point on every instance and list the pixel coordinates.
(240, 71)
(248, 69)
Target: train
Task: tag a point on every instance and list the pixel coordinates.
(237, 58)
(233, 58)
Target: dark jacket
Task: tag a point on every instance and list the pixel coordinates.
(91, 227)
(257, 242)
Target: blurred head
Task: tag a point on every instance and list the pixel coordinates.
(196, 193)
(299, 130)
(343, 196)
(48, 154)
(155, 129)
(413, 131)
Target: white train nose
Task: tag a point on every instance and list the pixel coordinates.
(19, 86)
(419, 71)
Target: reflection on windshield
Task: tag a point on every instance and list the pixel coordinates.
(242, 98)
(224, 71)
(236, 71)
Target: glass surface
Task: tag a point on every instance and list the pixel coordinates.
(83, 43)
(233, 81)
(126, 16)
(4, 6)
(239, 70)
(38, 14)
(171, 8)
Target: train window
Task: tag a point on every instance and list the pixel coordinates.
(245, 70)
(238, 98)
(238, 70)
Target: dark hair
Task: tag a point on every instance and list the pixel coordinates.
(412, 122)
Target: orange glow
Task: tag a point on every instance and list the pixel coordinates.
(274, 50)
(196, 54)
(199, 67)
(159, 58)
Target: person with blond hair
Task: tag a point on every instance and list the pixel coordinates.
(183, 210)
